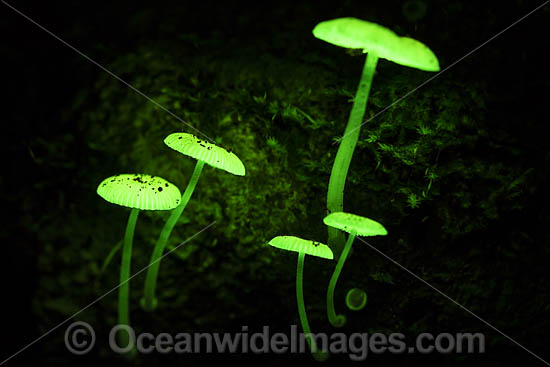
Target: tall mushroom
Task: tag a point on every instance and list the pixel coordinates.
(138, 192)
(205, 153)
(378, 42)
(303, 247)
(355, 225)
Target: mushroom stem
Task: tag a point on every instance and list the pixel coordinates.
(333, 318)
(337, 181)
(319, 355)
(124, 285)
(149, 303)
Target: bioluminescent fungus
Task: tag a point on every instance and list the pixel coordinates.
(138, 192)
(354, 225)
(303, 247)
(378, 42)
(205, 153)
(356, 299)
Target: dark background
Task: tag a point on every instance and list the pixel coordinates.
(254, 78)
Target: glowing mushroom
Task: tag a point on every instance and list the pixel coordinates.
(205, 153)
(355, 225)
(378, 42)
(356, 299)
(303, 247)
(138, 192)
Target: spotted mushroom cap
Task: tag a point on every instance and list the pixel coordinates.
(355, 224)
(297, 244)
(140, 191)
(209, 153)
(371, 37)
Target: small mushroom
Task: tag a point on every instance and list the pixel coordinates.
(355, 225)
(303, 247)
(205, 153)
(378, 42)
(132, 191)
(356, 299)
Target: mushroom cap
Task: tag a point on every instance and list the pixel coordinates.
(140, 191)
(297, 244)
(209, 153)
(357, 33)
(355, 224)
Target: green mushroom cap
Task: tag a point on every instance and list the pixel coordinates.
(140, 191)
(209, 153)
(297, 244)
(355, 224)
(372, 37)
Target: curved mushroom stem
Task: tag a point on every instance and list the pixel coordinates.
(319, 355)
(333, 318)
(337, 181)
(149, 302)
(124, 285)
